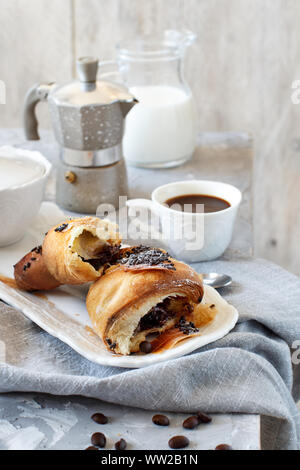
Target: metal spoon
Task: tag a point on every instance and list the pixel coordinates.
(216, 280)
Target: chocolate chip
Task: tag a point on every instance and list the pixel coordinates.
(121, 444)
(37, 250)
(111, 345)
(146, 347)
(203, 418)
(99, 418)
(91, 448)
(187, 328)
(191, 423)
(61, 228)
(160, 420)
(178, 442)
(223, 447)
(33, 259)
(98, 439)
(27, 266)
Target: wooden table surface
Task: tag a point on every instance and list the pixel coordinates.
(35, 421)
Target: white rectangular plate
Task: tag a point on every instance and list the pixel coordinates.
(62, 313)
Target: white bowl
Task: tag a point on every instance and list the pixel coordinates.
(20, 204)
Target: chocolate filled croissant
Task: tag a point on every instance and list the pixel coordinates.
(31, 272)
(146, 292)
(76, 251)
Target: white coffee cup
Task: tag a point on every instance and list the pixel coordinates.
(212, 231)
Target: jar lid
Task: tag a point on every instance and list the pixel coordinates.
(88, 90)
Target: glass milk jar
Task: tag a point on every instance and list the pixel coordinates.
(160, 131)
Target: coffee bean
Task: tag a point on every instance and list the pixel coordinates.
(99, 418)
(203, 418)
(223, 447)
(146, 347)
(91, 448)
(178, 442)
(191, 423)
(98, 439)
(121, 444)
(160, 420)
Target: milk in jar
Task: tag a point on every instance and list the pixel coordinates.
(161, 128)
(160, 131)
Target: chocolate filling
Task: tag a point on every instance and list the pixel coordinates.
(156, 317)
(37, 250)
(105, 256)
(159, 315)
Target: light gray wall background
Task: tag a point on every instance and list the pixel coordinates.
(241, 70)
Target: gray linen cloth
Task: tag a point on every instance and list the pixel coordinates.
(248, 371)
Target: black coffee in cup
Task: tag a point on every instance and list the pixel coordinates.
(191, 202)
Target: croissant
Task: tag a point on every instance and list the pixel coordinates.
(76, 251)
(31, 272)
(145, 292)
